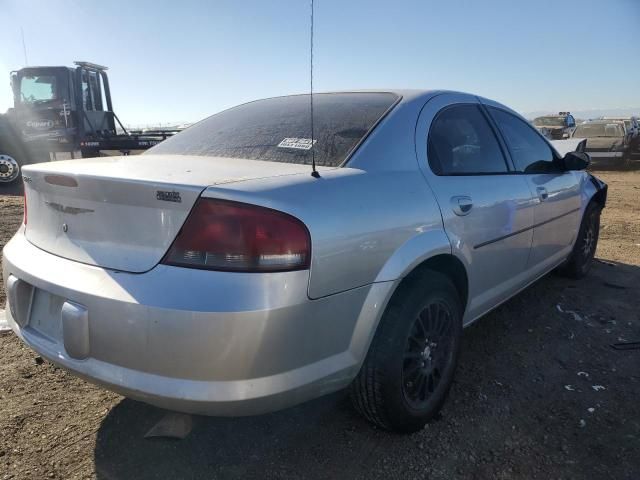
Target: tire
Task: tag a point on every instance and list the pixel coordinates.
(409, 368)
(584, 249)
(10, 168)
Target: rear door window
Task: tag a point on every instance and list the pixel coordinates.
(279, 129)
(461, 142)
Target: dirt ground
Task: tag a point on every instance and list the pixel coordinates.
(540, 393)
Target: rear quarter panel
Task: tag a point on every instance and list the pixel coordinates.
(365, 226)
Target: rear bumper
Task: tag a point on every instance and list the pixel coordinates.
(190, 340)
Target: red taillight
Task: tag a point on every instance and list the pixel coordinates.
(224, 235)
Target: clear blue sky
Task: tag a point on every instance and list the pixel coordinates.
(183, 60)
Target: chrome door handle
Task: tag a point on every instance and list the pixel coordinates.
(461, 205)
(542, 193)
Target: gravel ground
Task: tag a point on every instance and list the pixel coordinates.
(539, 393)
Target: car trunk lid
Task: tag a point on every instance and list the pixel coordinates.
(123, 213)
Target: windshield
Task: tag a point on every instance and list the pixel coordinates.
(38, 88)
(279, 129)
(548, 121)
(590, 130)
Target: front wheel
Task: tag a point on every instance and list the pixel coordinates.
(410, 365)
(584, 250)
(9, 169)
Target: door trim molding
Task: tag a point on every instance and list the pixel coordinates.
(518, 232)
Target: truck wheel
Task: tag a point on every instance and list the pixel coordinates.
(581, 258)
(9, 168)
(410, 365)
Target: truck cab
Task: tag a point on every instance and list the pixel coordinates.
(60, 105)
(62, 109)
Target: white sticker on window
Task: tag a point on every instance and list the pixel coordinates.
(298, 143)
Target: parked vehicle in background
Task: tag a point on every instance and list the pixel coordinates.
(555, 127)
(632, 125)
(63, 110)
(608, 142)
(218, 273)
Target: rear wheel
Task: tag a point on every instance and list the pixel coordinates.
(581, 258)
(410, 365)
(9, 168)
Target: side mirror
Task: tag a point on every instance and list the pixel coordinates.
(576, 161)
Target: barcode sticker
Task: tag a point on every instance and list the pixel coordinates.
(297, 143)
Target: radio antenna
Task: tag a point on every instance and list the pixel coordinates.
(314, 172)
(24, 48)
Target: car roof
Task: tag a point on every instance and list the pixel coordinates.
(606, 120)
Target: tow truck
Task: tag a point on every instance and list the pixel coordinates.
(64, 109)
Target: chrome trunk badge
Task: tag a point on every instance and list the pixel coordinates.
(70, 210)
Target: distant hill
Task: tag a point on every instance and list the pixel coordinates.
(587, 114)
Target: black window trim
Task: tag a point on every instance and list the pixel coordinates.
(556, 157)
(506, 159)
(513, 169)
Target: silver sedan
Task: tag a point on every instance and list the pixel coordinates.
(221, 273)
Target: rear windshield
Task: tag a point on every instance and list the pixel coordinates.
(279, 129)
(548, 121)
(590, 130)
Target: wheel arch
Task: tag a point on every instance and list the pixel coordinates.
(430, 249)
(600, 197)
(382, 292)
(595, 190)
(448, 265)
